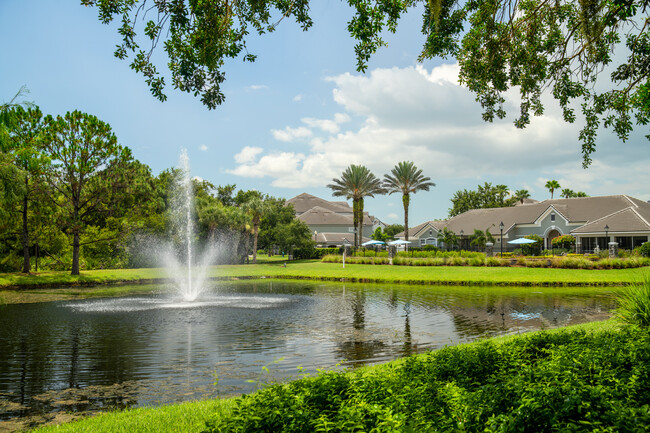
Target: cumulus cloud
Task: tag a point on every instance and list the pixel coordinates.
(203, 148)
(427, 117)
(298, 97)
(290, 134)
(393, 216)
(248, 154)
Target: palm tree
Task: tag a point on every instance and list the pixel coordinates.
(552, 185)
(447, 237)
(355, 183)
(406, 178)
(567, 193)
(521, 195)
(256, 207)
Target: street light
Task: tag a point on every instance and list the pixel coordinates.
(460, 243)
(501, 239)
(606, 237)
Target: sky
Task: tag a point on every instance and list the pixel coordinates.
(298, 116)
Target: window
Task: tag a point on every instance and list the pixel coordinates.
(423, 242)
(430, 232)
(552, 217)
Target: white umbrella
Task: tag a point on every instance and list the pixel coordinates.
(372, 242)
(522, 241)
(399, 242)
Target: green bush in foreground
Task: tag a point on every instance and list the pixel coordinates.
(634, 304)
(545, 381)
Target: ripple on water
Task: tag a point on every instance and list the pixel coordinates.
(144, 304)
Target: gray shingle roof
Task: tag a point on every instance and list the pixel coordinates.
(575, 210)
(321, 216)
(303, 202)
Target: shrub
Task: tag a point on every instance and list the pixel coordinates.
(564, 242)
(533, 249)
(634, 304)
(560, 381)
(644, 249)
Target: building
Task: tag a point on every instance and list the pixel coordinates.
(593, 221)
(331, 222)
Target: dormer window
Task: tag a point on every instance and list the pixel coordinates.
(553, 217)
(430, 232)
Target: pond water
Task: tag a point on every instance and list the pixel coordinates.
(83, 356)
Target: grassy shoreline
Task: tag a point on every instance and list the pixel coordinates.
(316, 270)
(191, 416)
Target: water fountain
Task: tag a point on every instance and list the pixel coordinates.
(188, 273)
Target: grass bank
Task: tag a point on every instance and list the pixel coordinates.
(590, 376)
(317, 270)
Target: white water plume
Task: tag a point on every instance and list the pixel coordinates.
(188, 270)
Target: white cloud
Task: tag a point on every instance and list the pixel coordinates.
(298, 97)
(425, 116)
(290, 134)
(275, 165)
(203, 148)
(393, 216)
(258, 87)
(248, 154)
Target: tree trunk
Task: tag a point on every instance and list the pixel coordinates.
(405, 201)
(355, 218)
(26, 265)
(75, 253)
(360, 222)
(255, 232)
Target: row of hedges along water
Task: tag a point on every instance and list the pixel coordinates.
(571, 380)
(479, 259)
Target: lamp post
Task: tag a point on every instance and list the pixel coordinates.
(460, 242)
(346, 243)
(315, 236)
(501, 239)
(606, 236)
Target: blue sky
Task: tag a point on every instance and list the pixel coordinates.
(300, 114)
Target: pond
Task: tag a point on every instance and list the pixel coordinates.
(89, 355)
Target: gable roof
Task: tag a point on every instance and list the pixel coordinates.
(625, 220)
(303, 202)
(321, 216)
(579, 210)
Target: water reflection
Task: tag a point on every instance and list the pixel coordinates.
(83, 356)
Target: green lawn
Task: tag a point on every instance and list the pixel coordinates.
(179, 418)
(313, 269)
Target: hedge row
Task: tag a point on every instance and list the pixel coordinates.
(480, 260)
(545, 381)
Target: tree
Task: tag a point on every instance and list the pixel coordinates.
(20, 138)
(521, 195)
(447, 237)
(379, 235)
(407, 179)
(499, 45)
(480, 238)
(356, 183)
(392, 229)
(81, 147)
(552, 185)
(256, 208)
(567, 193)
(485, 196)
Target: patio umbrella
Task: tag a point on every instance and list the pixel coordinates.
(521, 241)
(399, 242)
(373, 242)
